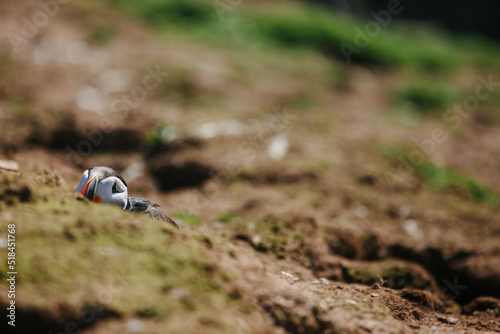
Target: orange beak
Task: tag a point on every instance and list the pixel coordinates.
(90, 188)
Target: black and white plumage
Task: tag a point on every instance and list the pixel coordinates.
(104, 185)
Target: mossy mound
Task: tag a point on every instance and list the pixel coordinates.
(78, 262)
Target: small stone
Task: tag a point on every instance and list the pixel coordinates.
(361, 211)
(217, 225)
(284, 273)
(134, 326)
(324, 281)
(320, 281)
(284, 302)
(411, 227)
(451, 321)
(9, 165)
(278, 147)
(178, 294)
(375, 295)
(7, 216)
(256, 239)
(109, 251)
(405, 210)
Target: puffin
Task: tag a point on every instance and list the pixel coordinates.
(104, 185)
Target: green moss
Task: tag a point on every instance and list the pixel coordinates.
(19, 106)
(279, 236)
(188, 218)
(101, 33)
(444, 178)
(86, 254)
(226, 217)
(152, 312)
(160, 134)
(426, 99)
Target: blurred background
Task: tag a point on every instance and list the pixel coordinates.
(379, 119)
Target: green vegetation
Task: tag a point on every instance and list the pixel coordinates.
(426, 99)
(101, 33)
(113, 262)
(272, 234)
(226, 217)
(19, 106)
(309, 27)
(188, 218)
(160, 134)
(166, 13)
(285, 236)
(444, 178)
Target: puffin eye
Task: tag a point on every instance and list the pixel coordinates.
(114, 188)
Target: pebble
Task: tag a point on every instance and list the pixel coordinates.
(278, 147)
(361, 211)
(324, 281)
(411, 227)
(9, 165)
(178, 293)
(134, 326)
(283, 301)
(320, 281)
(284, 273)
(256, 239)
(451, 321)
(374, 294)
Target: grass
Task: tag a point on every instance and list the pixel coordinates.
(226, 217)
(445, 179)
(426, 99)
(19, 106)
(188, 218)
(309, 27)
(171, 12)
(101, 33)
(160, 134)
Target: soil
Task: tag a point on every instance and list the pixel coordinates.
(336, 237)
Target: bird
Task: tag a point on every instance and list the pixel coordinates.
(104, 185)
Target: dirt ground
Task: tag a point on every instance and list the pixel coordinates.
(335, 236)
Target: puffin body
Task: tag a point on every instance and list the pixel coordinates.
(104, 185)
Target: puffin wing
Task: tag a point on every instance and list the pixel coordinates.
(137, 204)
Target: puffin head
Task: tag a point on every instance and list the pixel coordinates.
(104, 185)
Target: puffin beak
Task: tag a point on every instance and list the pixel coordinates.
(90, 188)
